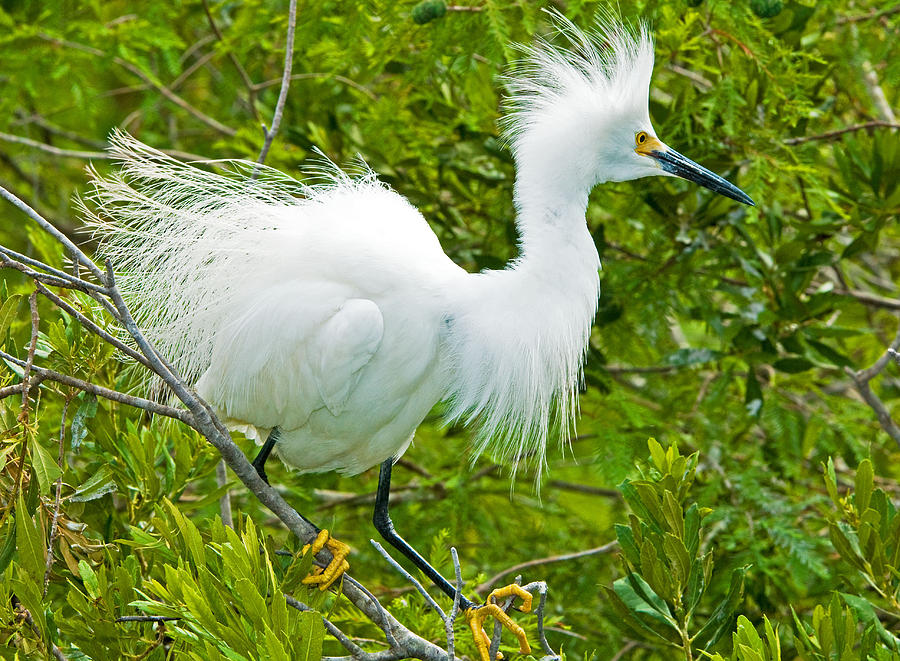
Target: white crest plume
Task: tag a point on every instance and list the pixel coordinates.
(609, 65)
(183, 240)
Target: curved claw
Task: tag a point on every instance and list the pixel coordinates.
(476, 617)
(335, 569)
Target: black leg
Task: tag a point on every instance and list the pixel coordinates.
(260, 462)
(384, 525)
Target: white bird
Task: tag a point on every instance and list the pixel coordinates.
(329, 313)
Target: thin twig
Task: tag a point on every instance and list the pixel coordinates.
(454, 610)
(870, 299)
(42, 123)
(91, 326)
(29, 620)
(873, 14)
(541, 587)
(56, 151)
(584, 488)
(74, 281)
(830, 135)
(74, 251)
(409, 577)
(225, 499)
(251, 88)
(57, 504)
(285, 85)
(861, 380)
(27, 367)
(106, 393)
(489, 583)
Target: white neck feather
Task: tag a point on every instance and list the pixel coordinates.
(518, 337)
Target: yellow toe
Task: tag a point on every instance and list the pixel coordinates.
(324, 578)
(476, 617)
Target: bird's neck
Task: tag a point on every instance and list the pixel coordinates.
(517, 337)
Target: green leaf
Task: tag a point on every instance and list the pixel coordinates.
(29, 542)
(793, 365)
(8, 312)
(96, 486)
(89, 578)
(866, 613)
(45, 467)
(831, 483)
(639, 597)
(86, 411)
(312, 636)
(657, 454)
(719, 623)
(865, 478)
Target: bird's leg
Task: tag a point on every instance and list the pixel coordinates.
(323, 577)
(259, 463)
(475, 614)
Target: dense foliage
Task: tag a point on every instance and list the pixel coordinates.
(737, 337)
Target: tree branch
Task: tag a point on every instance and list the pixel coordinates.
(489, 583)
(251, 88)
(285, 85)
(861, 380)
(830, 135)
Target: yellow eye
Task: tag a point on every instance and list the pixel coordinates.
(640, 137)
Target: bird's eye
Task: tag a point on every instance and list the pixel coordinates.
(640, 137)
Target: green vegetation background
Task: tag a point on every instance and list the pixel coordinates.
(725, 330)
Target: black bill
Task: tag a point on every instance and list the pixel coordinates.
(674, 163)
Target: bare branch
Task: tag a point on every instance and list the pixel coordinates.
(285, 85)
(409, 577)
(74, 251)
(861, 380)
(106, 393)
(873, 14)
(489, 583)
(871, 299)
(541, 587)
(251, 88)
(73, 281)
(584, 488)
(41, 122)
(454, 610)
(50, 149)
(830, 135)
(54, 523)
(91, 326)
(225, 499)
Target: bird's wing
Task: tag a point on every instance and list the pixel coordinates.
(346, 343)
(274, 367)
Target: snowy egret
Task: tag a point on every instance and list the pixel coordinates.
(326, 319)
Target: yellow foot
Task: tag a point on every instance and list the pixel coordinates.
(335, 569)
(477, 615)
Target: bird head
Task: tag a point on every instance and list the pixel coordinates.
(578, 114)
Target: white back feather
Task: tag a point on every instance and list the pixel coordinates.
(189, 245)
